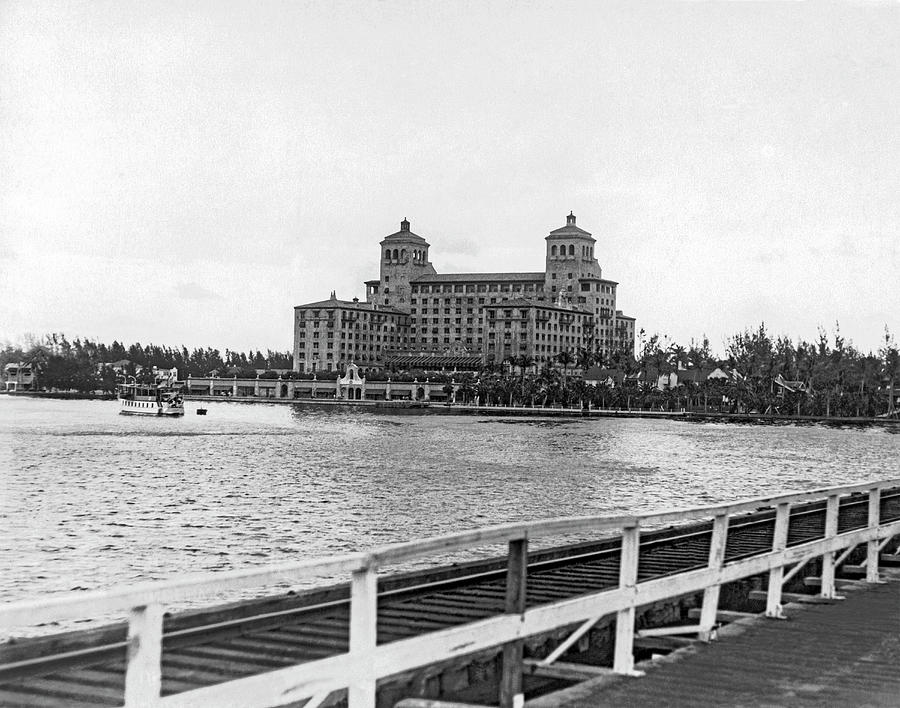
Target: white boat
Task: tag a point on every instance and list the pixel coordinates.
(162, 397)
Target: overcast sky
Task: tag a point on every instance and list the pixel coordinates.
(187, 172)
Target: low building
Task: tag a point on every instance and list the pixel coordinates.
(19, 377)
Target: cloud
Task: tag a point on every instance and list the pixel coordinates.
(194, 291)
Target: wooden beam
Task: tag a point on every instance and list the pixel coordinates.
(716, 560)
(623, 659)
(511, 695)
(794, 597)
(832, 509)
(723, 616)
(428, 703)
(363, 628)
(566, 671)
(143, 675)
(669, 631)
(664, 644)
(776, 575)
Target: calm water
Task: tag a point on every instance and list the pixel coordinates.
(89, 498)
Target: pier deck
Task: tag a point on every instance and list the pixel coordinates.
(839, 653)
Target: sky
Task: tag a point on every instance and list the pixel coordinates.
(187, 173)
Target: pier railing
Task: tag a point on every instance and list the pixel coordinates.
(365, 663)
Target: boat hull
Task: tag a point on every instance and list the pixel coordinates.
(149, 408)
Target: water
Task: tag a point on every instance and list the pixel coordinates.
(89, 498)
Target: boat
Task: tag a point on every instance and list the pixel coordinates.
(161, 397)
(201, 411)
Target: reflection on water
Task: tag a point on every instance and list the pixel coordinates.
(89, 498)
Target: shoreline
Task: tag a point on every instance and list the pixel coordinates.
(440, 408)
(431, 408)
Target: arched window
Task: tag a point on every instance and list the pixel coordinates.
(387, 255)
(552, 250)
(396, 255)
(403, 254)
(571, 249)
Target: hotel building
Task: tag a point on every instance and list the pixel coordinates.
(414, 317)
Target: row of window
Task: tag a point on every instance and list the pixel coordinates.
(569, 249)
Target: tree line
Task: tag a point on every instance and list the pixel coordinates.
(758, 373)
(84, 365)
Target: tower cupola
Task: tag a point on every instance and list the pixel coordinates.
(404, 225)
(570, 219)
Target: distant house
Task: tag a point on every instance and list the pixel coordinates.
(19, 377)
(785, 385)
(597, 375)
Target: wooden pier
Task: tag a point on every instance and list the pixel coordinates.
(832, 653)
(488, 632)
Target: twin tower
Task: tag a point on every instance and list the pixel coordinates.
(570, 265)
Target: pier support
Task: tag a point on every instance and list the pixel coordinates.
(831, 528)
(623, 658)
(511, 695)
(143, 676)
(711, 594)
(776, 575)
(872, 548)
(363, 628)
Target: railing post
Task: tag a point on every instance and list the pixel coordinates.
(776, 575)
(872, 546)
(623, 659)
(831, 527)
(711, 594)
(511, 695)
(143, 675)
(363, 635)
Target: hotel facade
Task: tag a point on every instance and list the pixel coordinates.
(415, 317)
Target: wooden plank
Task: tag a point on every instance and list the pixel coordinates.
(251, 660)
(143, 673)
(669, 631)
(99, 695)
(793, 597)
(623, 659)
(716, 559)
(664, 644)
(723, 616)
(566, 671)
(831, 529)
(363, 637)
(14, 697)
(776, 575)
(511, 695)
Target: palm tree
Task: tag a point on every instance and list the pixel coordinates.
(565, 358)
(584, 358)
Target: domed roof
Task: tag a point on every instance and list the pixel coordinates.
(570, 230)
(405, 235)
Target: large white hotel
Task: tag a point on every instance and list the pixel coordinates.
(414, 317)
